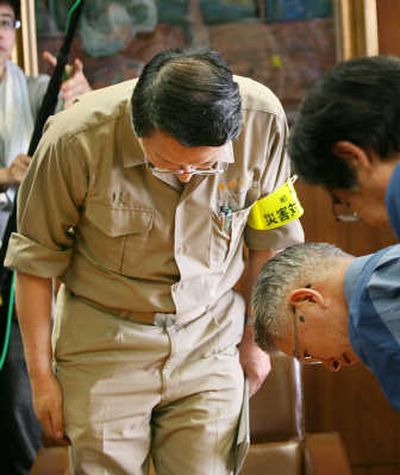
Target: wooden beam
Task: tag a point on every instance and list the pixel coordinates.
(29, 60)
(371, 27)
(356, 28)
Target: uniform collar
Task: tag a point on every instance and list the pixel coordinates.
(392, 200)
(228, 156)
(129, 145)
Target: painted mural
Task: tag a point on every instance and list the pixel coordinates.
(285, 44)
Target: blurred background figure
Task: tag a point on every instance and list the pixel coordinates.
(20, 100)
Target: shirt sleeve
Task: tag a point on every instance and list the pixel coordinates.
(374, 327)
(48, 207)
(37, 87)
(275, 173)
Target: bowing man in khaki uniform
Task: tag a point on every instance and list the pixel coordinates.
(139, 204)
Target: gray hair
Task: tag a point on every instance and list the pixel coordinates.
(296, 266)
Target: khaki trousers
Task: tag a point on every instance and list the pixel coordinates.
(134, 391)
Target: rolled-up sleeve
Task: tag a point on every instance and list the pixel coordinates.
(31, 257)
(276, 239)
(48, 206)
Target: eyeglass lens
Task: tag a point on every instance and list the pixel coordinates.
(343, 212)
(9, 24)
(191, 171)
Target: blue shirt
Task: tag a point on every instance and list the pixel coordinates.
(392, 200)
(372, 289)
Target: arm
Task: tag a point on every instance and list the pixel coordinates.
(256, 364)
(75, 84)
(15, 172)
(48, 205)
(33, 299)
(274, 169)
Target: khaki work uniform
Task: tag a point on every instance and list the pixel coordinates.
(147, 324)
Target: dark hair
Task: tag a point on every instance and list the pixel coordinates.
(357, 101)
(189, 94)
(15, 5)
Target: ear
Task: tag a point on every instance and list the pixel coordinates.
(356, 157)
(305, 294)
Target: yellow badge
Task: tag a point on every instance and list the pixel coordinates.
(277, 209)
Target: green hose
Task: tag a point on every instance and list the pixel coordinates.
(12, 287)
(71, 11)
(8, 323)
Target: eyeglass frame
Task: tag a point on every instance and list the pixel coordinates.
(211, 171)
(351, 217)
(302, 357)
(13, 24)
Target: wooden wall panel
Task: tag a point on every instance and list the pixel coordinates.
(352, 403)
(379, 470)
(356, 22)
(388, 26)
(320, 225)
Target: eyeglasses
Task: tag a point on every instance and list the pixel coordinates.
(302, 356)
(213, 170)
(342, 211)
(9, 24)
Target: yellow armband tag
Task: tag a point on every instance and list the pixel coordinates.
(277, 209)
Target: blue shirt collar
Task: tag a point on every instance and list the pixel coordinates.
(392, 200)
(352, 275)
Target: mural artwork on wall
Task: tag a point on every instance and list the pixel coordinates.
(285, 44)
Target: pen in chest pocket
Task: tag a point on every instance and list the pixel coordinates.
(225, 214)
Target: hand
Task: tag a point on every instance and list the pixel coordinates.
(17, 169)
(76, 83)
(48, 405)
(256, 363)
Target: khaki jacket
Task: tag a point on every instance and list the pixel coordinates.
(91, 213)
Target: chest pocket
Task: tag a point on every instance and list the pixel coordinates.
(225, 240)
(109, 230)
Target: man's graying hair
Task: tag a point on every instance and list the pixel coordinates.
(189, 94)
(295, 267)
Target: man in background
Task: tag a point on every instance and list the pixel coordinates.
(346, 138)
(149, 187)
(319, 304)
(20, 100)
